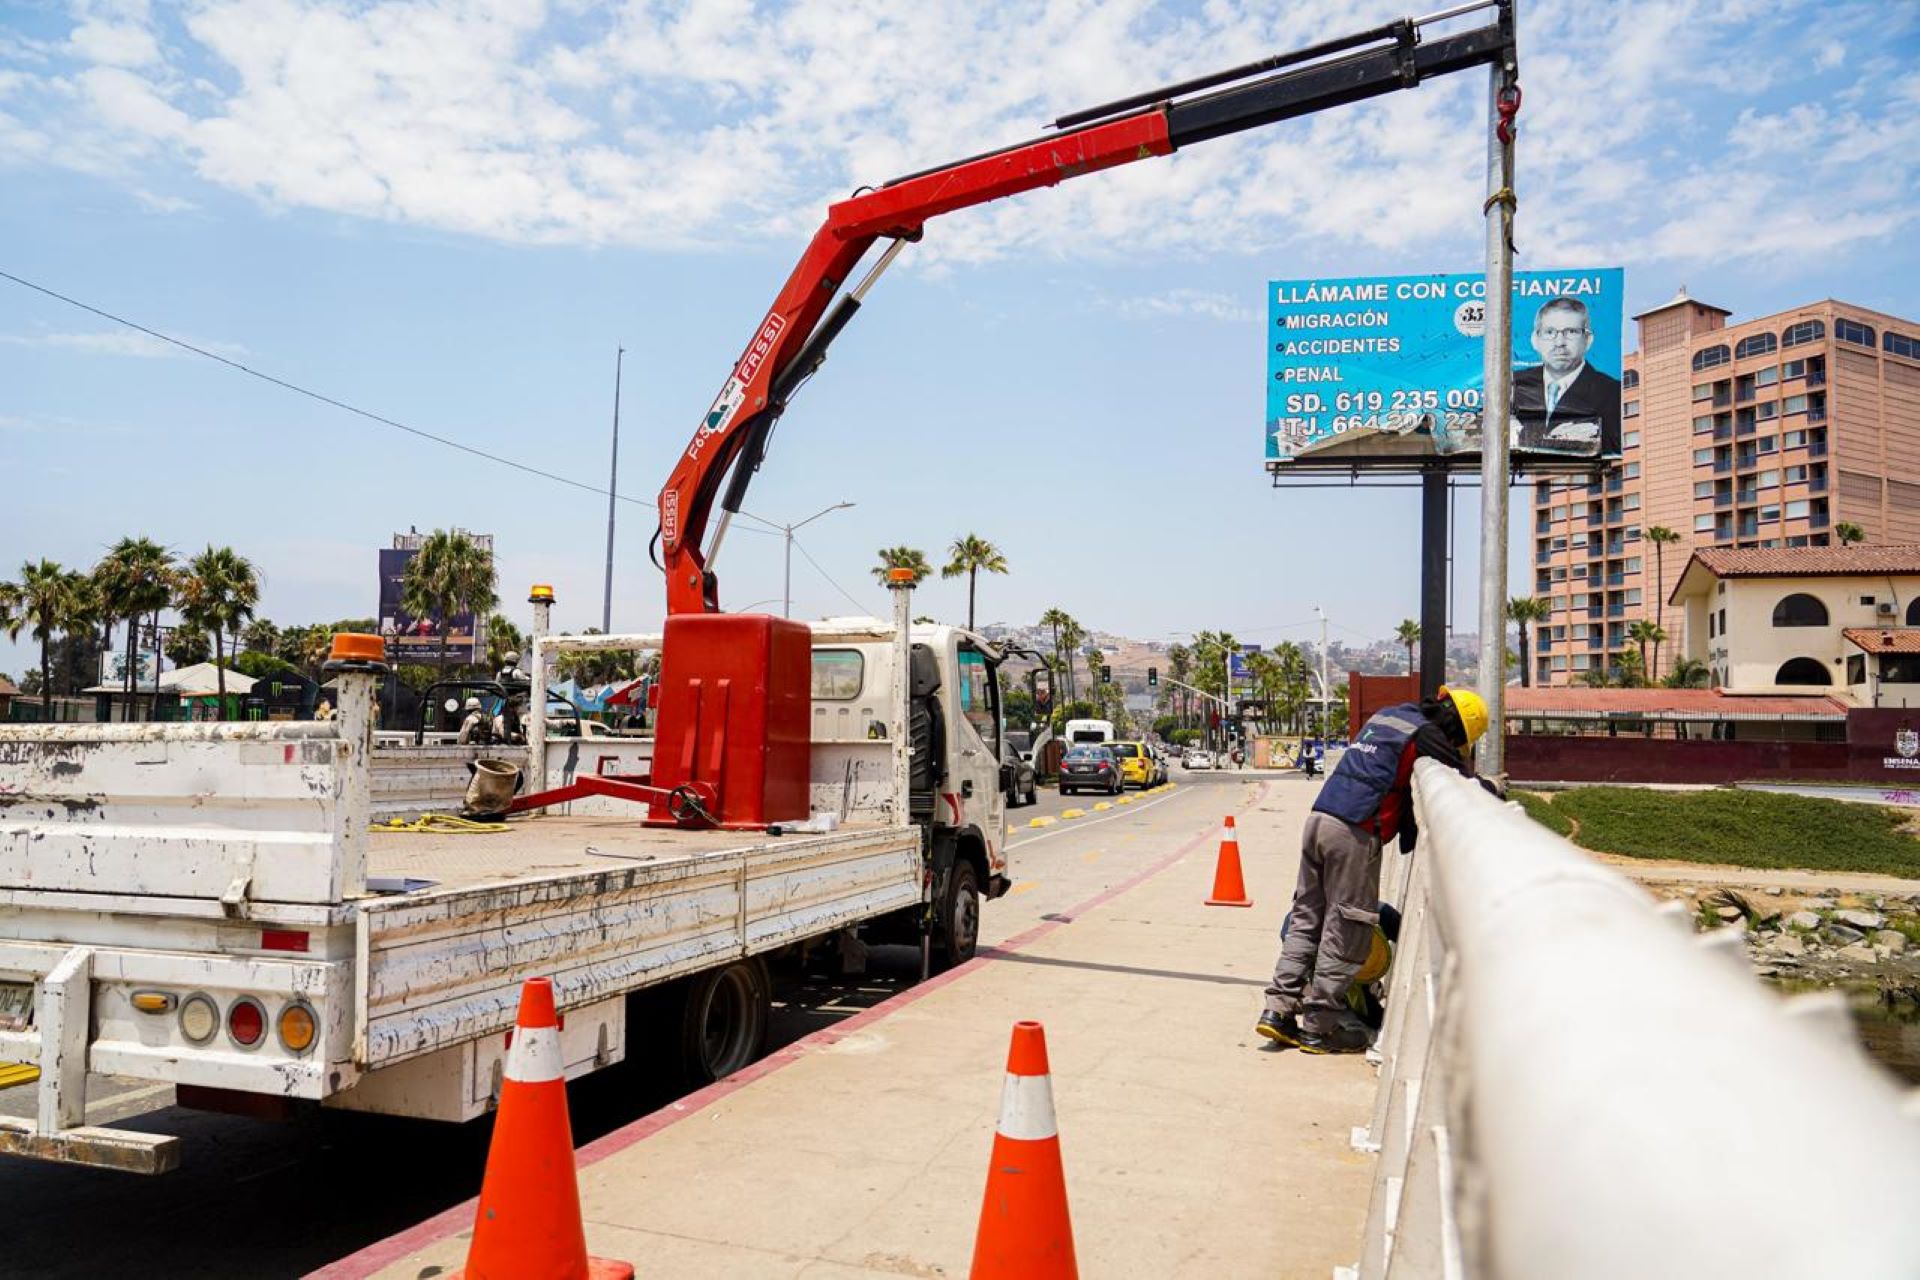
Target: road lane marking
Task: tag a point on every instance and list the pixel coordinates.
(1073, 813)
(1019, 844)
(1025, 886)
(1101, 806)
(1041, 822)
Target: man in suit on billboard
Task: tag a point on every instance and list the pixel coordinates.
(1563, 404)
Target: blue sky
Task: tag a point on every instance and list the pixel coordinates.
(452, 213)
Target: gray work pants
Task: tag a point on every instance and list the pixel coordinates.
(1330, 925)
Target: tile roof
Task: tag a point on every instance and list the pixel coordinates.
(1706, 703)
(1775, 562)
(7, 687)
(1885, 639)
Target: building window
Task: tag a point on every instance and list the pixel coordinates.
(1712, 630)
(1759, 344)
(1857, 668)
(1802, 671)
(1799, 610)
(1769, 514)
(1703, 489)
(1851, 331)
(1768, 376)
(1701, 457)
(1702, 391)
(1867, 601)
(1631, 471)
(1899, 344)
(1913, 612)
(1796, 475)
(1768, 444)
(1794, 440)
(1630, 379)
(1703, 524)
(1703, 424)
(1794, 404)
(1633, 564)
(1804, 332)
(1630, 440)
(1632, 409)
(1767, 412)
(1797, 509)
(1710, 358)
(1632, 502)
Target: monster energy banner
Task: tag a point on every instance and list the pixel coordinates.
(1388, 369)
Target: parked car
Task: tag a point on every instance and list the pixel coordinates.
(1198, 760)
(1089, 767)
(1137, 768)
(1025, 789)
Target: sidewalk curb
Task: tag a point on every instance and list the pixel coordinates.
(384, 1253)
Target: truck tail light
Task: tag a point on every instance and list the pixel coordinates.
(296, 1027)
(199, 1017)
(246, 1022)
(283, 939)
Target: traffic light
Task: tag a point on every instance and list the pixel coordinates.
(1153, 677)
(1106, 674)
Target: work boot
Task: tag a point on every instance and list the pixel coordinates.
(1349, 1035)
(1279, 1028)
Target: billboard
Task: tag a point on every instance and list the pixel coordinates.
(411, 639)
(1376, 370)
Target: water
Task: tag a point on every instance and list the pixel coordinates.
(1890, 1032)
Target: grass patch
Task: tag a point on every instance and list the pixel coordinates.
(1540, 809)
(1740, 828)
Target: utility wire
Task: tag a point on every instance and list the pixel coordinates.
(315, 395)
(829, 577)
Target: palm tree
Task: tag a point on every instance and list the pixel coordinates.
(1687, 673)
(449, 575)
(1631, 669)
(503, 638)
(1180, 667)
(902, 558)
(1597, 677)
(50, 600)
(1661, 537)
(1644, 633)
(1408, 633)
(1057, 620)
(135, 578)
(1849, 533)
(217, 594)
(260, 636)
(970, 555)
(1523, 612)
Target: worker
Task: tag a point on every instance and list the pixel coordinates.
(1368, 799)
(476, 728)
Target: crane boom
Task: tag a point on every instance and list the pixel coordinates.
(793, 338)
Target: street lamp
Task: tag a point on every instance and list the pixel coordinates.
(786, 608)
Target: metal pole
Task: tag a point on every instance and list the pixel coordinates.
(786, 594)
(541, 598)
(1433, 580)
(613, 484)
(1326, 684)
(1501, 81)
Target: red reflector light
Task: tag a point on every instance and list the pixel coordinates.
(283, 939)
(246, 1022)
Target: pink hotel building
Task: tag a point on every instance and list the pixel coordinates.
(1767, 433)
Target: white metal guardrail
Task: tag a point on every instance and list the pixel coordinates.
(1572, 1084)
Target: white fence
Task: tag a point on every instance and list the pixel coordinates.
(1573, 1084)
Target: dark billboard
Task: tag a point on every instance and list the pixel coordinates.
(411, 639)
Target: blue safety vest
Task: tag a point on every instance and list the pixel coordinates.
(1369, 770)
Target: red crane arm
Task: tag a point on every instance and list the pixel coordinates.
(791, 341)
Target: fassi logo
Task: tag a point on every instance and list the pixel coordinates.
(757, 353)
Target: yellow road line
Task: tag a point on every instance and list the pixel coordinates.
(1023, 887)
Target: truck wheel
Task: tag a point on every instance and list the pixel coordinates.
(957, 927)
(723, 1022)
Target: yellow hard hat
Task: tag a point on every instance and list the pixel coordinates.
(1379, 958)
(1472, 709)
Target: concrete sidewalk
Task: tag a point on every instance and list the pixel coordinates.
(862, 1150)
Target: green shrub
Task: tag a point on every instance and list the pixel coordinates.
(1540, 809)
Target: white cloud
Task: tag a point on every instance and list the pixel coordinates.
(117, 342)
(669, 124)
(1184, 304)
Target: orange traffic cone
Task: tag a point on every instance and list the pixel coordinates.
(1229, 888)
(1025, 1233)
(529, 1224)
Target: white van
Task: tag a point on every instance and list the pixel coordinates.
(1079, 731)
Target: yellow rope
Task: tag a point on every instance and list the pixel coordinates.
(445, 823)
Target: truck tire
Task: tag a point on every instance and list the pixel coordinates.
(957, 926)
(724, 1017)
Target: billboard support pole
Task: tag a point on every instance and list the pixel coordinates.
(613, 486)
(1434, 494)
(1503, 103)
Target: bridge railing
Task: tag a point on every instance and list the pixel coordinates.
(1574, 1084)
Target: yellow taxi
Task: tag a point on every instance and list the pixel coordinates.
(1137, 765)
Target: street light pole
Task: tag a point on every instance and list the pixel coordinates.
(1326, 686)
(613, 484)
(786, 594)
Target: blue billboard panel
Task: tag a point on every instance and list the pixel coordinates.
(1376, 369)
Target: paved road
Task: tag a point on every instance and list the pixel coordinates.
(261, 1199)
